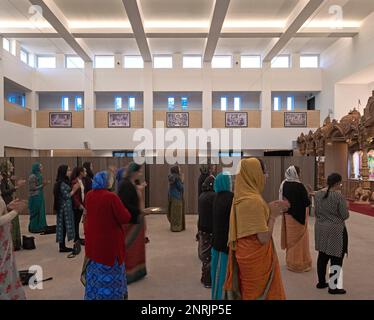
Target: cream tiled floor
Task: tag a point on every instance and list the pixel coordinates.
(174, 268)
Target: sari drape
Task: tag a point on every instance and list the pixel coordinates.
(295, 239)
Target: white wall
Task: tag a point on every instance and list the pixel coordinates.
(342, 59)
(149, 80)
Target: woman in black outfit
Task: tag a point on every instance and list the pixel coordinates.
(205, 210)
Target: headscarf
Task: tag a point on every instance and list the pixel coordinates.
(174, 174)
(208, 184)
(35, 170)
(249, 212)
(290, 176)
(223, 182)
(132, 168)
(100, 181)
(5, 168)
(204, 169)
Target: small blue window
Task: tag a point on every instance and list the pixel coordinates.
(65, 103)
(224, 103)
(23, 101)
(78, 103)
(132, 102)
(12, 99)
(237, 103)
(277, 104)
(171, 103)
(290, 103)
(118, 103)
(184, 102)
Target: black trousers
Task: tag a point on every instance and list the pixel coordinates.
(323, 259)
(77, 219)
(62, 244)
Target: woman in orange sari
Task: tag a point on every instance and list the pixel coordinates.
(295, 236)
(253, 271)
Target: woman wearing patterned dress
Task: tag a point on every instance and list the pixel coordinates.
(104, 272)
(63, 207)
(10, 286)
(331, 234)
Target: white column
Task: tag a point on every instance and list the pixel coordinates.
(2, 131)
(148, 96)
(89, 98)
(266, 96)
(118, 61)
(295, 61)
(177, 61)
(207, 96)
(60, 61)
(236, 61)
(32, 102)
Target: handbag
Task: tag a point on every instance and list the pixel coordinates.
(28, 243)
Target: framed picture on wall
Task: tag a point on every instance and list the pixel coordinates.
(177, 120)
(295, 119)
(119, 120)
(60, 119)
(236, 119)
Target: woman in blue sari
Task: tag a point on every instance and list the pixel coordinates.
(221, 220)
(38, 221)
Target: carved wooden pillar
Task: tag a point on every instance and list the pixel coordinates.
(364, 172)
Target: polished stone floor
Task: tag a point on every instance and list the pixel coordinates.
(174, 268)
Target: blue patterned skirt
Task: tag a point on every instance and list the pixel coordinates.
(105, 282)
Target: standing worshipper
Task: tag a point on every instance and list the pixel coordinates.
(128, 192)
(120, 175)
(221, 220)
(205, 210)
(104, 270)
(63, 206)
(295, 235)
(77, 177)
(10, 286)
(87, 180)
(331, 236)
(176, 215)
(8, 187)
(253, 269)
(205, 172)
(38, 222)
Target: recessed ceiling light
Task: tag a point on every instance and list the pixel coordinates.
(254, 24)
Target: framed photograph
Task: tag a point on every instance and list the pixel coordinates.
(119, 120)
(236, 119)
(60, 119)
(177, 120)
(295, 119)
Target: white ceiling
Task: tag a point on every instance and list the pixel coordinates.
(179, 16)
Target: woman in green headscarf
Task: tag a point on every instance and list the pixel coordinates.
(38, 221)
(221, 220)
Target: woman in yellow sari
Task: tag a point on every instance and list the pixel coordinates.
(253, 271)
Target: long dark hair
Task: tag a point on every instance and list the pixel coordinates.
(332, 180)
(76, 172)
(87, 166)
(61, 177)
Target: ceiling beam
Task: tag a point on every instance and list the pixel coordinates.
(218, 18)
(298, 17)
(57, 20)
(164, 35)
(136, 21)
